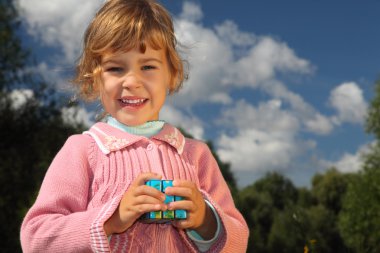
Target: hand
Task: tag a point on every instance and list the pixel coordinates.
(137, 200)
(200, 216)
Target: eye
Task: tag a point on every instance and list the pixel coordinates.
(148, 67)
(114, 69)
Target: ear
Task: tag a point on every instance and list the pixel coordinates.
(174, 84)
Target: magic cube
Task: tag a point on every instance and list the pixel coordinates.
(168, 215)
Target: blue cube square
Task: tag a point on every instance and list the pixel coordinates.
(164, 216)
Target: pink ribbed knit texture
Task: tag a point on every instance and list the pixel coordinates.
(86, 181)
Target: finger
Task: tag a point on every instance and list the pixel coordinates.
(181, 205)
(150, 191)
(145, 208)
(183, 183)
(146, 199)
(142, 178)
(182, 224)
(185, 192)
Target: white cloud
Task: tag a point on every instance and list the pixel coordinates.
(256, 150)
(77, 115)
(267, 116)
(229, 32)
(54, 74)
(220, 98)
(352, 162)
(224, 58)
(263, 60)
(349, 163)
(265, 138)
(178, 118)
(318, 124)
(311, 119)
(209, 59)
(191, 12)
(59, 23)
(349, 102)
(19, 97)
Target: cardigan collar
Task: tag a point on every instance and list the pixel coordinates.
(110, 139)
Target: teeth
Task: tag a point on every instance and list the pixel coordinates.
(132, 101)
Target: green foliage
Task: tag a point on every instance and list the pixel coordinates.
(28, 144)
(30, 133)
(290, 221)
(323, 230)
(12, 56)
(329, 188)
(280, 189)
(373, 115)
(327, 193)
(283, 218)
(359, 221)
(261, 202)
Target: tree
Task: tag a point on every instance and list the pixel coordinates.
(280, 189)
(328, 191)
(329, 188)
(289, 231)
(30, 133)
(261, 203)
(12, 56)
(373, 115)
(359, 221)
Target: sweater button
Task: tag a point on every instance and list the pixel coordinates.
(149, 147)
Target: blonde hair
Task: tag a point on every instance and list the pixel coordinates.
(121, 25)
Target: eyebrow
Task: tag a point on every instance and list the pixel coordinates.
(144, 60)
(141, 61)
(111, 60)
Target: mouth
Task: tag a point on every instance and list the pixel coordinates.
(134, 102)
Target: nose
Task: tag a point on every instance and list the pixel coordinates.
(131, 81)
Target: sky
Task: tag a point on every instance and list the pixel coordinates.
(275, 85)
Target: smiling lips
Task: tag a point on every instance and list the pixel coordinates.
(133, 102)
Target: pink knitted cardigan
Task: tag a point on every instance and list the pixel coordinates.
(86, 181)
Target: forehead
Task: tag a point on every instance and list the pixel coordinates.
(154, 40)
(135, 54)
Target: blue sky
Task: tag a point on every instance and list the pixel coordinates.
(276, 85)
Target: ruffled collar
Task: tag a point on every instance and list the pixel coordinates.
(110, 138)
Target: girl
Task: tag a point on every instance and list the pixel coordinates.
(94, 191)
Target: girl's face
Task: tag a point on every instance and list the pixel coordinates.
(135, 85)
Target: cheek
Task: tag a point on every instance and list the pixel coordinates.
(109, 87)
(107, 92)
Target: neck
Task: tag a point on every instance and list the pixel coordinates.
(148, 129)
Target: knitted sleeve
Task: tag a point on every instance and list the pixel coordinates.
(214, 188)
(60, 220)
